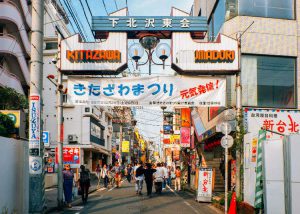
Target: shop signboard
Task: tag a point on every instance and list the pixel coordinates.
(34, 125)
(282, 121)
(103, 58)
(185, 137)
(206, 58)
(168, 129)
(71, 155)
(204, 192)
(148, 91)
(14, 115)
(125, 146)
(46, 138)
(186, 117)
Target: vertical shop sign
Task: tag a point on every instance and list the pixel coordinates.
(34, 125)
(125, 146)
(254, 150)
(186, 117)
(185, 137)
(204, 192)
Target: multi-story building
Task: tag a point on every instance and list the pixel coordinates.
(269, 33)
(85, 127)
(15, 25)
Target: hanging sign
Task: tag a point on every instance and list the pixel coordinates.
(71, 155)
(125, 146)
(204, 192)
(186, 117)
(148, 91)
(34, 125)
(185, 137)
(206, 58)
(104, 58)
(282, 121)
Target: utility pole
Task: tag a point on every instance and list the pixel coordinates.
(239, 122)
(120, 145)
(36, 172)
(60, 139)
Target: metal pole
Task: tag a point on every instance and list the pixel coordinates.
(239, 123)
(226, 179)
(150, 60)
(60, 139)
(36, 172)
(120, 145)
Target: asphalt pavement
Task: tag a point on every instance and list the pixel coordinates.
(124, 201)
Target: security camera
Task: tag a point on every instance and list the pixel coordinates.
(54, 60)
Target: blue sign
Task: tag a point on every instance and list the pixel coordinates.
(46, 138)
(144, 23)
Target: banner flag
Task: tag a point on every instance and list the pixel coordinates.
(148, 91)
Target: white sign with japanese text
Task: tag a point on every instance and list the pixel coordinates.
(34, 125)
(204, 192)
(148, 91)
(282, 121)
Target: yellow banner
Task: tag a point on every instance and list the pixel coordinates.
(125, 146)
(142, 144)
(14, 115)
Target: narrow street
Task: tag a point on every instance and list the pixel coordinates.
(125, 201)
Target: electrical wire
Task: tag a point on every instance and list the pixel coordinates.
(86, 17)
(76, 15)
(104, 6)
(116, 4)
(88, 6)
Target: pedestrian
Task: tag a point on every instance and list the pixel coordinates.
(169, 179)
(166, 176)
(178, 178)
(139, 178)
(104, 175)
(128, 173)
(68, 176)
(117, 170)
(148, 172)
(98, 170)
(159, 178)
(85, 183)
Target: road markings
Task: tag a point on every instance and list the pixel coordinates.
(50, 189)
(184, 201)
(101, 189)
(115, 186)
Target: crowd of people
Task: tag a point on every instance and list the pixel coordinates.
(159, 174)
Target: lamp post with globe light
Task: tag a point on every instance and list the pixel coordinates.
(147, 44)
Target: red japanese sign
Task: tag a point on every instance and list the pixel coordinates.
(281, 121)
(70, 156)
(185, 136)
(205, 184)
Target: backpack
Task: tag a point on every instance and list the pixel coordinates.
(139, 171)
(84, 176)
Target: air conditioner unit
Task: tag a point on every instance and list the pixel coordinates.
(72, 138)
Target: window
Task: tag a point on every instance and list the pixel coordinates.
(269, 81)
(65, 98)
(51, 45)
(2, 29)
(283, 9)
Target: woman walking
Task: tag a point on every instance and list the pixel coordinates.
(68, 176)
(104, 175)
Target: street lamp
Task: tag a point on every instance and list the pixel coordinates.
(147, 44)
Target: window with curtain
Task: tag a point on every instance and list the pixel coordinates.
(283, 9)
(269, 81)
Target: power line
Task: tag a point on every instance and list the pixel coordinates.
(86, 16)
(116, 4)
(87, 4)
(79, 21)
(104, 6)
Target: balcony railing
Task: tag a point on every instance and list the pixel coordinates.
(10, 80)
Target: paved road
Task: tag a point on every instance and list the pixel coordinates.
(125, 201)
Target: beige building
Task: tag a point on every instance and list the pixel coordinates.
(15, 26)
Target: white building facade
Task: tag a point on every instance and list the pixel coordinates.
(87, 128)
